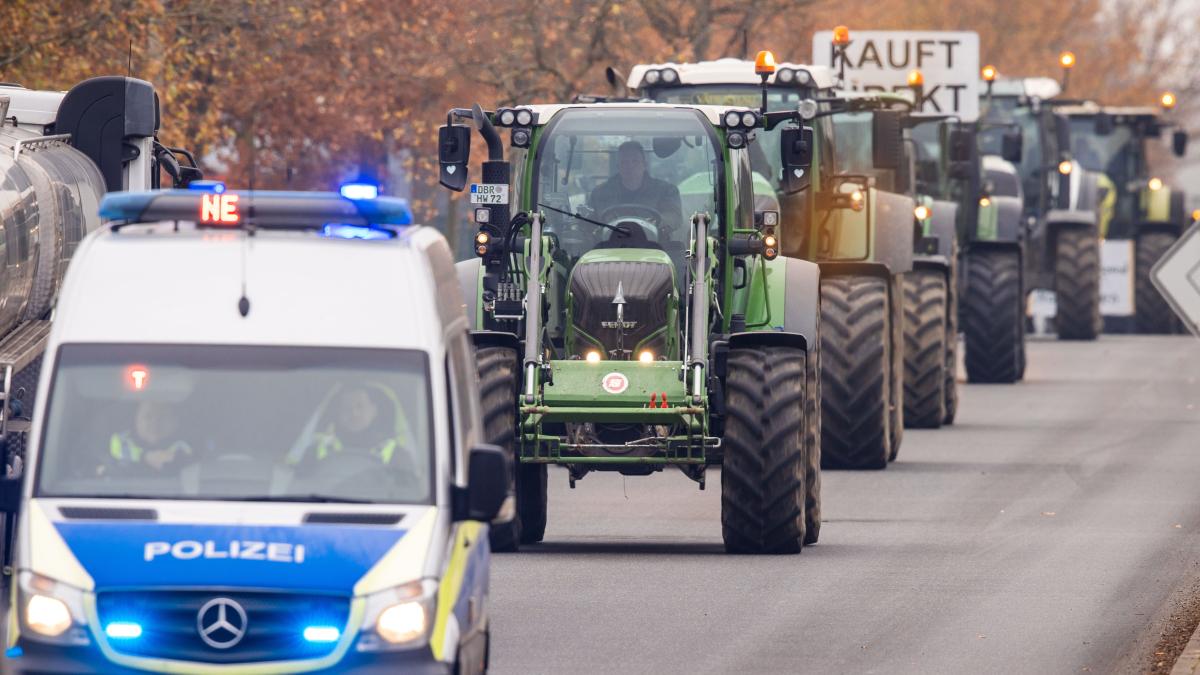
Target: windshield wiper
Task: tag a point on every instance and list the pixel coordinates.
(615, 228)
(308, 498)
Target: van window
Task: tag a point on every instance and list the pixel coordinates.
(238, 423)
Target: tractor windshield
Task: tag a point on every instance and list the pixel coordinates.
(620, 177)
(999, 115)
(853, 141)
(1114, 154)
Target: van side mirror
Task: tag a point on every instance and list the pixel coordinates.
(1179, 141)
(796, 153)
(454, 154)
(1011, 145)
(887, 139)
(10, 494)
(488, 472)
(1103, 124)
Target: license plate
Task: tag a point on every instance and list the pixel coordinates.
(487, 193)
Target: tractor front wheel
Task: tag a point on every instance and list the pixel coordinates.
(1152, 313)
(925, 338)
(1077, 284)
(763, 469)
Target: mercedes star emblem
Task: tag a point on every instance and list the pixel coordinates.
(221, 623)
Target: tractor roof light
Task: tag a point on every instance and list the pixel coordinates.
(764, 63)
(785, 76)
(652, 77)
(841, 36)
(916, 78)
(1067, 59)
(669, 76)
(1167, 100)
(988, 73)
(1196, 215)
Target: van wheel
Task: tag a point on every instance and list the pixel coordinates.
(498, 397)
(762, 473)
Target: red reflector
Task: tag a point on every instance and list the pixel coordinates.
(137, 377)
(219, 209)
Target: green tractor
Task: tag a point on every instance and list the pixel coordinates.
(1142, 208)
(856, 222)
(1060, 227)
(633, 311)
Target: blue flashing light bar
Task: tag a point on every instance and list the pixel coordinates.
(358, 191)
(340, 231)
(322, 633)
(123, 630)
(260, 208)
(214, 186)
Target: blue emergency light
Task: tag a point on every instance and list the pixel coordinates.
(214, 186)
(322, 633)
(123, 630)
(359, 190)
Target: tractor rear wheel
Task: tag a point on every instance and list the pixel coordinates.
(1077, 284)
(896, 377)
(856, 372)
(762, 472)
(951, 371)
(498, 381)
(924, 349)
(993, 316)
(1152, 313)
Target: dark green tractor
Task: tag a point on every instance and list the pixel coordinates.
(633, 311)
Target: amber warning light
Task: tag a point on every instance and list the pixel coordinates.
(219, 209)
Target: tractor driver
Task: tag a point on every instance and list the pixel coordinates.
(633, 186)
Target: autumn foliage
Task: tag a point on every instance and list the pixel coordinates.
(304, 93)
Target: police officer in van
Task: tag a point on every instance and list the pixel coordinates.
(367, 419)
(153, 442)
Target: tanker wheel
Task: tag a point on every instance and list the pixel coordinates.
(1077, 284)
(924, 349)
(498, 381)
(856, 372)
(762, 473)
(1153, 314)
(896, 351)
(993, 316)
(812, 439)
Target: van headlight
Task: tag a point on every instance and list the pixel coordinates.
(50, 610)
(399, 618)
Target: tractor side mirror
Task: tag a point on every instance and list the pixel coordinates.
(796, 153)
(887, 139)
(1104, 124)
(487, 493)
(1011, 146)
(959, 145)
(1179, 142)
(10, 494)
(454, 153)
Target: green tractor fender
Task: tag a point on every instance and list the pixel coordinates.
(893, 231)
(785, 305)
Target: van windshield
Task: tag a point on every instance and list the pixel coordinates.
(238, 423)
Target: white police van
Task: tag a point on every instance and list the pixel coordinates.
(257, 447)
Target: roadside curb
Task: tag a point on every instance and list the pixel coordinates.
(1188, 662)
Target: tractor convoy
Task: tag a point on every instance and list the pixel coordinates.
(749, 265)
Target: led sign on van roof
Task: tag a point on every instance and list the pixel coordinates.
(219, 209)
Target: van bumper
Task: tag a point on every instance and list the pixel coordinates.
(45, 659)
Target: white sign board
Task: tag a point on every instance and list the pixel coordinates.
(1177, 277)
(880, 60)
(1116, 277)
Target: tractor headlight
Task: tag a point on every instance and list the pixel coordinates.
(524, 117)
(51, 611)
(400, 617)
(732, 119)
(749, 120)
(507, 117)
(736, 139)
(1155, 184)
(807, 109)
(804, 78)
(669, 76)
(652, 76)
(785, 76)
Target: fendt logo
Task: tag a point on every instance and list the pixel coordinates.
(234, 550)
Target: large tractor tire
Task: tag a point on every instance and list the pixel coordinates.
(1077, 284)
(993, 317)
(812, 439)
(925, 310)
(498, 382)
(856, 373)
(762, 472)
(1152, 313)
(896, 376)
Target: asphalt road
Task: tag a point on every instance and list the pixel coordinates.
(1050, 530)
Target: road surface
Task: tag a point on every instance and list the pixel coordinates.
(1053, 529)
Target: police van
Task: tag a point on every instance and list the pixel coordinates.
(256, 450)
